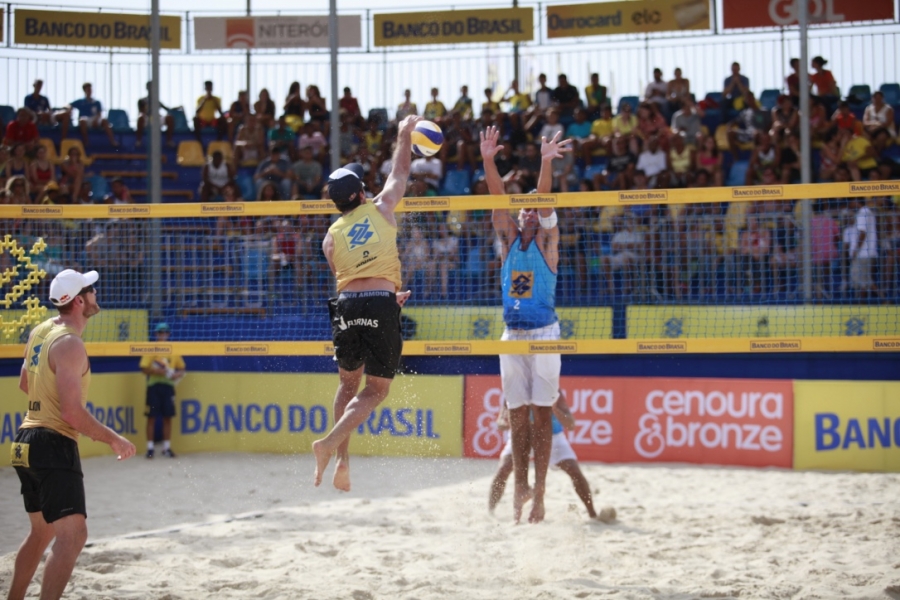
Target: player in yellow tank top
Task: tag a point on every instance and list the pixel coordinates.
(55, 376)
(361, 248)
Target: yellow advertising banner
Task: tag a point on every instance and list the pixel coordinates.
(106, 30)
(454, 27)
(263, 412)
(847, 425)
(609, 18)
(486, 323)
(762, 323)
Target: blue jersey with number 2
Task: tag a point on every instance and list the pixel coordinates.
(529, 288)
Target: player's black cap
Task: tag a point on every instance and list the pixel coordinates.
(345, 182)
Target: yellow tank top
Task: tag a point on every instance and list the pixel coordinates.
(43, 397)
(365, 245)
(681, 163)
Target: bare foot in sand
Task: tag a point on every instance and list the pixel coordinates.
(520, 497)
(322, 458)
(537, 511)
(342, 475)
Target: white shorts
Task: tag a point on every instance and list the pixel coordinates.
(530, 379)
(560, 449)
(94, 121)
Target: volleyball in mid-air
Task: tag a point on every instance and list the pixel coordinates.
(427, 138)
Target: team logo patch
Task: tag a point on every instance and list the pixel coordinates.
(522, 284)
(18, 455)
(361, 234)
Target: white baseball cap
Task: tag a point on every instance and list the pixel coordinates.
(68, 284)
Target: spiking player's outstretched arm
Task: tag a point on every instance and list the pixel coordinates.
(503, 223)
(549, 236)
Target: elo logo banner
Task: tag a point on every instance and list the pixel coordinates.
(718, 421)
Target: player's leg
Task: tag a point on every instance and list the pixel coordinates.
(517, 391)
(71, 534)
(504, 470)
(545, 390)
(347, 389)
(571, 468)
(29, 555)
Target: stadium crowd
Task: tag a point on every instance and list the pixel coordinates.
(666, 139)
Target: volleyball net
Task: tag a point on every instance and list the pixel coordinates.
(744, 269)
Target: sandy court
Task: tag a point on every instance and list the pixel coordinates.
(252, 526)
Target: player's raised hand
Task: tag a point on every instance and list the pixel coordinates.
(489, 139)
(554, 148)
(408, 124)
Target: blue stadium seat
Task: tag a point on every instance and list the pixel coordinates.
(891, 93)
(593, 169)
(246, 185)
(7, 114)
(118, 120)
(768, 99)
(861, 93)
(181, 122)
(738, 173)
(715, 97)
(456, 183)
(634, 101)
(99, 186)
(477, 173)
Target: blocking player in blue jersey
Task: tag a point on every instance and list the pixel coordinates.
(530, 254)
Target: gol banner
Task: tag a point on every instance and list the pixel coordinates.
(608, 18)
(618, 419)
(455, 27)
(107, 30)
(739, 14)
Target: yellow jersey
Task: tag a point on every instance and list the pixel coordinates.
(43, 396)
(365, 245)
(167, 362)
(208, 107)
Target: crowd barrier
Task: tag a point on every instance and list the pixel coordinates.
(839, 425)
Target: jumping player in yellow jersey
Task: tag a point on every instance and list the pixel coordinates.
(361, 248)
(56, 375)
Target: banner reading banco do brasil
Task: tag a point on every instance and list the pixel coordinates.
(454, 27)
(106, 30)
(608, 18)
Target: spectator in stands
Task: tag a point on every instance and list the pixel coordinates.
(785, 116)
(653, 162)
(250, 143)
(294, 105)
(619, 174)
(891, 248)
(445, 251)
(435, 109)
(518, 101)
(118, 193)
(416, 259)
(595, 96)
(489, 102)
(843, 119)
(601, 133)
(318, 108)
(650, 123)
(267, 192)
(743, 128)
(50, 195)
(463, 104)
(552, 126)
(306, 175)
(17, 190)
(238, 113)
(879, 116)
(735, 89)
(216, 175)
(347, 138)
(515, 136)
(71, 173)
(579, 131)
(819, 124)
(264, 108)
(627, 246)
(688, 120)
(793, 82)
(4, 159)
(625, 123)
(208, 106)
(283, 136)
(22, 131)
(143, 114)
(765, 155)
(286, 252)
(756, 245)
(864, 253)
(18, 163)
(825, 235)
(349, 103)
(789, 164)
(657, 92)
(373, 139)
(823, 81)
(543, 97)
(859, 155)
(680, 160)
(85, 194)
(709, 159)
(406, 108)
(276, 170)
(831, 156)
(43, 113)
(677, 90)
(41, 172)
(313, 138)
(428, 169)
(565, 99)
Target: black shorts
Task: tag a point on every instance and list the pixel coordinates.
(160, 401)
(365, 327)
(49, 467)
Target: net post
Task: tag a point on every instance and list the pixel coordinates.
(155, 151)
(805, 150)
(334, 115)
